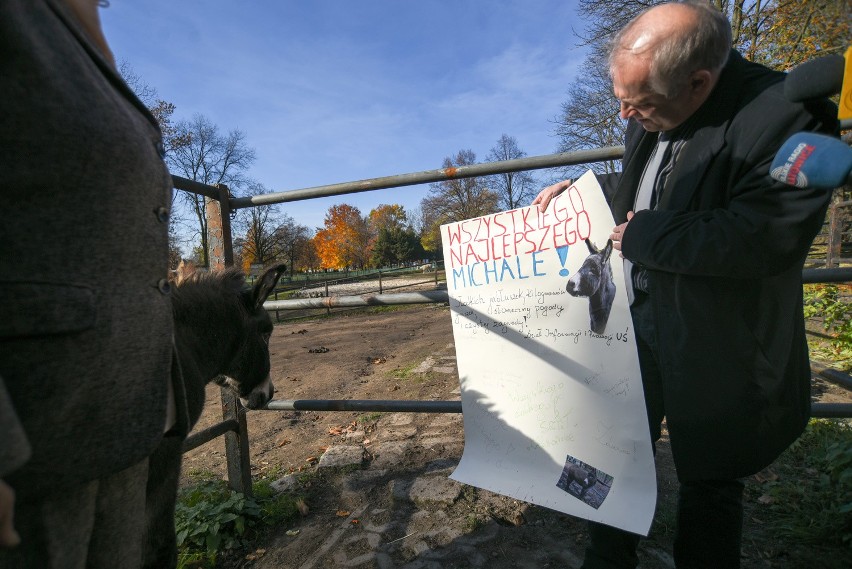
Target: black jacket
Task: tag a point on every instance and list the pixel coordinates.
(724, 251)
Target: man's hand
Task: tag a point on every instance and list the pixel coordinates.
(618, 232)
(8, 536)
(550, 192)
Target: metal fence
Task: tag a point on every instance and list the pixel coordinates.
(220, 204)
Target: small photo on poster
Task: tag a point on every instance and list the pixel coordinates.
(584, 482)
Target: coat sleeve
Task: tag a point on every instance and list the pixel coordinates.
(608, 183)
(15, 450)
(759, 227)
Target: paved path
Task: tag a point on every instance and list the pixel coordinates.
(396, 507)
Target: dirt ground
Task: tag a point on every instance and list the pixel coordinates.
(395, 506)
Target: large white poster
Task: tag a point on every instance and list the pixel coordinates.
(554, 412)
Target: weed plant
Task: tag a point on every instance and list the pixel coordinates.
(833, 305)
(810, 501)
(211, 518)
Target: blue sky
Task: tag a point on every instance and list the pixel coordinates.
(332, 91)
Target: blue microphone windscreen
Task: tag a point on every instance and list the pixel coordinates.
(812, 160)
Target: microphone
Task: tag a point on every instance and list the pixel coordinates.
(820, 77)
(810, 160)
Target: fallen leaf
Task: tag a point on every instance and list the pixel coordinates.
(292, 532)
(284, 442)
(323, 449)
(302, 507)
(766, 499)
(343, 513)
(354, 522)
(311, 459)
(255, 555)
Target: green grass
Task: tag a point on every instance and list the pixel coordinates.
(404, 372)
(368, 418)
(810, 502)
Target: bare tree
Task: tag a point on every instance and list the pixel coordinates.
(259, 245)
(777, 33)
(209, 158)
(514, 189)
(162, 111)
(295, 244)
(454, 199)
(590, 117)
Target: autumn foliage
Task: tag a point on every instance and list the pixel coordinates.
(343, 240)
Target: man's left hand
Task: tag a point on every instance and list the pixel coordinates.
(617, 234)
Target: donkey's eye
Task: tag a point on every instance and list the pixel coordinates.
(266, 337)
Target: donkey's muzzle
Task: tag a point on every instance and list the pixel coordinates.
(258, 397)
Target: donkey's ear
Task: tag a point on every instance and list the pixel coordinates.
(266, 284)
(607, 250)
(590, 247)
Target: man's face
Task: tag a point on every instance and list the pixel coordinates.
(638, 101)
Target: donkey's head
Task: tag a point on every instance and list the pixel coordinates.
(247, 371)
(592, 274)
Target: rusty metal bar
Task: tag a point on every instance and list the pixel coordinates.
(810, 276)
(835, 376)
(831, 410)
(201, 437)
(825, 410)
(188, 185)
(428, 176)
(425, 297)
(386, 406)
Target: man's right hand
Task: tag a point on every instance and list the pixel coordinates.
(550, 192)
(8, 536)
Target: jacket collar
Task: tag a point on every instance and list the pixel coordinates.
(708, 138)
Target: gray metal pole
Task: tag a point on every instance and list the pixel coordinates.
(428, 176)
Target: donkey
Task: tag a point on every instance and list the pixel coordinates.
(573, 473)
(594, 280)
(222, 335)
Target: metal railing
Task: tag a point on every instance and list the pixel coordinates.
(219, 205)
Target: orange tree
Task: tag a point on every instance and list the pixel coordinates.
(344, 239)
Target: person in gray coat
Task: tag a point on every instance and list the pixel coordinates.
(714, 249)
(86, 345)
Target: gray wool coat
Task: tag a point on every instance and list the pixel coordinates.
(85, 314)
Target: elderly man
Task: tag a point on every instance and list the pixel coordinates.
(713, 251)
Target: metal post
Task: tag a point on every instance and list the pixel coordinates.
(221, 255)
(835, 232)
(327, 308)
(277, 312)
